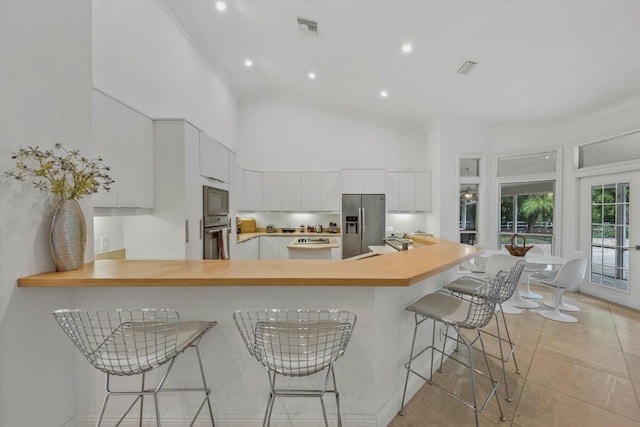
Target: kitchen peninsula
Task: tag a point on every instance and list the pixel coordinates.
(377, 289)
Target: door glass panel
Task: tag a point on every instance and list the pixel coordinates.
(610, 235)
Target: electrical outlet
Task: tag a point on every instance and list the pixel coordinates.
(104, 244)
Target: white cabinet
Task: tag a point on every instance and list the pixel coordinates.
(271, 191)
(214, 159)
(274, 247)
(391, 191)
(311, 194)
(239, 194)
(174, 229)
(408, 191)
(336, 253)
(423, 192)
(363, 181)
(124, 139)
(249, 249)
(291, 191)
(252, 191)
(330, 194)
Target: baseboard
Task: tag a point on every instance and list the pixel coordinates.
(390, 409)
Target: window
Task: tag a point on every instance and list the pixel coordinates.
(468, 213)
(611, 150)
(610, 236)
(527, 209)
(469, 180)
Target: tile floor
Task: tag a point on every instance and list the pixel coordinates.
(571, 374)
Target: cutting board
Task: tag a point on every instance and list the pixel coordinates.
(247, 225)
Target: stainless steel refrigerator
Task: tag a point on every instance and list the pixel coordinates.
(363, 223)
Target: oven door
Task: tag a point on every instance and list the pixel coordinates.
(215, 202)
(216, 242)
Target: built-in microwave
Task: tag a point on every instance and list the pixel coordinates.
(215, 203)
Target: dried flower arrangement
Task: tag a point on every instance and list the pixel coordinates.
(61, 172)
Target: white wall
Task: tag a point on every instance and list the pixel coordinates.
(280, 134)
(45, 97)
(141, 58)
(447, 137)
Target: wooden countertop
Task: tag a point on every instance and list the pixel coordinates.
(430, 256)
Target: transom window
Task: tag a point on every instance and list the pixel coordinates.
(610, 235)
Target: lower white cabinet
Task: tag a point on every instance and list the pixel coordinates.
(249, 249)
(274, 247)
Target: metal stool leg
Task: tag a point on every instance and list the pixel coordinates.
(207, 390)
(335, 388)
(141, 400)
(406, 381)
(502, 417)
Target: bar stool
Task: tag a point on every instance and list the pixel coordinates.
(469, 312)
(296, 343)
(126, 342)
(468, 286)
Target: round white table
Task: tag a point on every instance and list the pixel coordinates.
(515, 303)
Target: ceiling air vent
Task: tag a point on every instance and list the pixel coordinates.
(308, 27)
(466, 67)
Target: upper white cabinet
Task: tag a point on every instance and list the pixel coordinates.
(423, 191)
(291, 191)
(311, 191)
(252, 200)
(271, 191)
(363, 181)
(214, 159)
(124, 139)
(330, 195)
(408, 191)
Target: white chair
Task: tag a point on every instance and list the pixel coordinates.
(531, 269)
(125, 342)
(477, 264)
(296, 343)
(470, 312)
(569, 276)
(496, 265)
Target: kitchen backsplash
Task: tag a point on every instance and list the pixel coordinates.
(403, 222)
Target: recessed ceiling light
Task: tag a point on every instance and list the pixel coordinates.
(221, 6)
(547, 157)
(312, 76)
(406, 48)
(248, 63)
(384, 93)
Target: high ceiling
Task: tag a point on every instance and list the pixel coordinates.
(539, 62)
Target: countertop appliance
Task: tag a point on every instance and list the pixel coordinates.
(363, 223)
(216, 222)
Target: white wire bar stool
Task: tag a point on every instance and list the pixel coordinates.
(297, 343)
(470, 312)
(468, 286)
(125, 342)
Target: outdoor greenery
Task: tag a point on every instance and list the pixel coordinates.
(535, 212)
(61, 172)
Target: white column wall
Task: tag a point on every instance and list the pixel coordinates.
(142, 58)
(45, 97)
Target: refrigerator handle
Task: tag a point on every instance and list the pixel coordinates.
(364, 224)
(360, 224)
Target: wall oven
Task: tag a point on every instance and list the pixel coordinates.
(216, 223)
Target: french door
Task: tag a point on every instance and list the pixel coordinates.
(610, 234)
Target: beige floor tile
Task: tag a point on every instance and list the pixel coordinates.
(598, 388)
(582, 334)
(590, 356)
(633, 365)
(541, 406)
(630, 344)
(571, 374)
